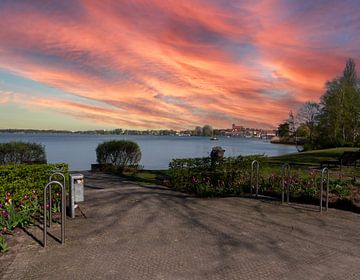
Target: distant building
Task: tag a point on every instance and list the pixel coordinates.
(237, 128)
(240, 131)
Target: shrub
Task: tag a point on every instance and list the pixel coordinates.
(21, 152)
(231, 176)
(119, 153)
(23, 179)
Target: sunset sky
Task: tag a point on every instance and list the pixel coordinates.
(168, 64)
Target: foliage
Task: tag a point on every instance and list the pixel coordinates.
(303, 131)
(231, 176)
(20, 180)
(198, 131)
(283, 129)
(20, 152)
(16, 214)
(200, 176)
(21, 188)
(335, 122)
(340, 115)
(207, 130)
(119, 153)
(308, 117)
(3, 245)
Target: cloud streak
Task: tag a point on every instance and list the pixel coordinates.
(177, 64)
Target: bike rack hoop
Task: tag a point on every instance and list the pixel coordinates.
(256, 175)
(286, 173)
(63, 210)
(324, 171)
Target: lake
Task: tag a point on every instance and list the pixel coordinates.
(78, 150)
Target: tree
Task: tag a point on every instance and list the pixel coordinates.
(340, 110)
(207, 130)
(308, 115)
(283, 129)
(303, 131)
(198, 131)
(292, 123)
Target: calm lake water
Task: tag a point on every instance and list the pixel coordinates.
(157, 151)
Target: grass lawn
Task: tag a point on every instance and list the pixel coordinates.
(311, 157)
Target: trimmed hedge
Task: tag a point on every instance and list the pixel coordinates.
(21, 152)
(23, 179)
(119, 153)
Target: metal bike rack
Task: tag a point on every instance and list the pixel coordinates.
(56, 173)
(323, 171)
(63, 210)
(256, 175)
(285, 170)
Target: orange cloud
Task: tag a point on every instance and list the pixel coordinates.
(176, 64)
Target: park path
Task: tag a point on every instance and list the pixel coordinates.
(150, 232)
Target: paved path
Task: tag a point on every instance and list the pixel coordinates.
(134, 232)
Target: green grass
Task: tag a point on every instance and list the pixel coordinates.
(146, 176)
(311, 157)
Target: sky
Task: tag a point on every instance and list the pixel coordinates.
(142, 64)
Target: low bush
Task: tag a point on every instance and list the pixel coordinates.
(21, 152)
(118, 153)
(203, 177)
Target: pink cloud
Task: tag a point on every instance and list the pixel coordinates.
(176, 64)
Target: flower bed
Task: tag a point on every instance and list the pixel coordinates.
(21, 189)
(231, 176)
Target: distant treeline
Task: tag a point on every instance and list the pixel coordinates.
(102, 132)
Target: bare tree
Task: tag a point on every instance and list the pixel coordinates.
(308, 115)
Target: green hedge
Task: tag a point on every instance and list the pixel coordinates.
(22, 152)
(23, 179)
